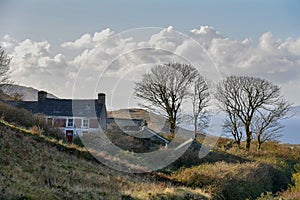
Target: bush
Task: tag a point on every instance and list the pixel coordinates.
(233, 180)
(296, 178)
(24, 118)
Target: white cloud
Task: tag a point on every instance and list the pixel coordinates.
(7, 42)
(86, 41)
(34, 64)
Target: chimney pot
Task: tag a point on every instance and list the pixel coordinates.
(101, 98)
(42, 95)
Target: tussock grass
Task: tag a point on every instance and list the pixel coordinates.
(232, 180)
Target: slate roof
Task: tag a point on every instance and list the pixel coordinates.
(61, 107)
(136, 128)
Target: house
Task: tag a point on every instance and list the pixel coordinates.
(73, 117)
(138, 129)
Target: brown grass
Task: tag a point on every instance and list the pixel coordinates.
(37, 164)
(33, 166)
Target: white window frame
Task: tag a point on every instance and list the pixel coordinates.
(83, 124)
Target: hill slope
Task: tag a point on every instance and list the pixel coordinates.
(35, 167)
(27, 93)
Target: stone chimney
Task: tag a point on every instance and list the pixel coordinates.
(42, 95)
(101, 98)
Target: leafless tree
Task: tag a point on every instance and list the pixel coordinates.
(233, 125)
(267, 125)
(200, 100)
(243, 97)
(4, 66)
(165, 87)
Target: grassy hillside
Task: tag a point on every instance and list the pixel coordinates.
(233, 173)
(36, 163)
(35, 166)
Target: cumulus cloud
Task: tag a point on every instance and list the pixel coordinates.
(276, 59)
(7, 42)
(33, 65)
(86, 41)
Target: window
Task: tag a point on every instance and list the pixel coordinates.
(49, 121)
(77, 123)
(85, 123)
(60, 122)
(94, 123)
(70, 122)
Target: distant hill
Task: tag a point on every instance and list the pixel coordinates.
(27, 93)
(296, 111)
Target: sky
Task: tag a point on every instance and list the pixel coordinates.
(75, 48)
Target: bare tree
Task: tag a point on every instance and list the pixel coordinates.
(244, 96)
(165, 87)
(4, 66)
(200, 101)
(267, 125)
(233, 125)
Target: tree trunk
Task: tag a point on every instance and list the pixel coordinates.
(196, 126)
(172, 127)
(259, 143)
(238, 142)
(248, 136)
(259, 146)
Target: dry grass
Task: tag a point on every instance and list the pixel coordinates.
(37, 164)
(33, 166)
(231, 180)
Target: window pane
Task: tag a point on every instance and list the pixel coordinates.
(60, 123)
(85, 123)
(94, 123)
(49, 121)
(70, 122)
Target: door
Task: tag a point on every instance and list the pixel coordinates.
(69, 135)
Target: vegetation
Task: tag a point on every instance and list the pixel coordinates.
(4, 66)
(200, 100)
(166, 87)
(253, 106)
(36, 165)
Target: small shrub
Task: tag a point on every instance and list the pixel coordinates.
(34, 122)
(36, 130)
(233, 180)
(296, 178)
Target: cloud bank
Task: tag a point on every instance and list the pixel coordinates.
(37, 64)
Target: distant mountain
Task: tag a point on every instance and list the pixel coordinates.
(295, 111)
(27, 93)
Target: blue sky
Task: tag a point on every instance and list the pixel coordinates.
(58, 20)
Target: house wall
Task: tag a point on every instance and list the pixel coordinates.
(62, 122)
